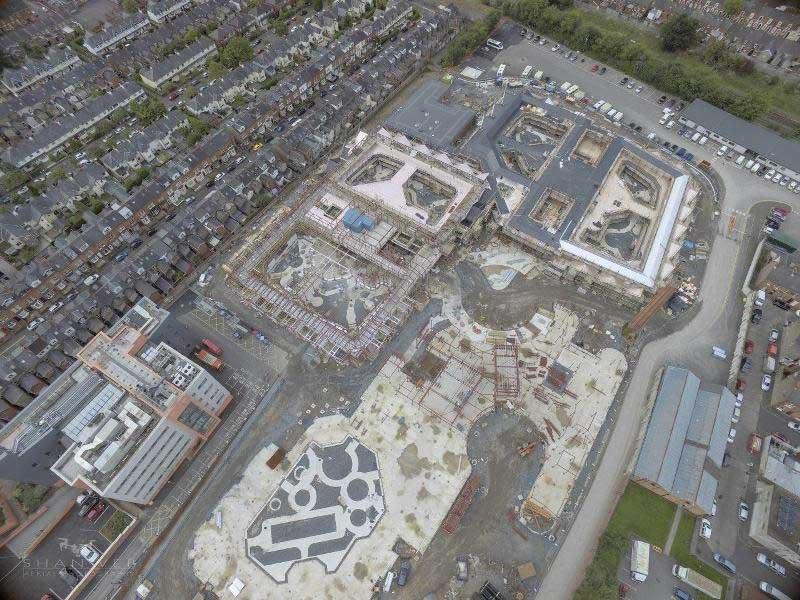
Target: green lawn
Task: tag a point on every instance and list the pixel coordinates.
(680, 552)
(642, 514)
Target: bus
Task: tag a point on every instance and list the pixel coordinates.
(492, 43)
(500, 70)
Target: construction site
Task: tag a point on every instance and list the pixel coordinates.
(341, 271)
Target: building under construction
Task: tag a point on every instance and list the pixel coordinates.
(339, 272)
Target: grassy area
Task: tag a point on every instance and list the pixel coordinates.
(680, 552)
(30, 496)
(115, 525)
(642, 514)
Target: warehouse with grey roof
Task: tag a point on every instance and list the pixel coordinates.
(685, 440)
(747, 138)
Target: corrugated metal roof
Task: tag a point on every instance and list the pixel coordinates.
(707, 492)
(680, 426)
(689, 472)
(719, 435)
(704, 416)
(753, 137)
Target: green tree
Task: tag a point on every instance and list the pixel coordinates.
(215, 69)
(149, 110)
(732, 7)
(317, 5)
(130, 6)
(679, 32)
(236, 51)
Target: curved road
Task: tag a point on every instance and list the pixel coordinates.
(714, 324)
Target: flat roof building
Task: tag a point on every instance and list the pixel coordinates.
(745, 137)
(129, 412)
(685, 440)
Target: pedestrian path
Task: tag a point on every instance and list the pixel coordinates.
(673, 530)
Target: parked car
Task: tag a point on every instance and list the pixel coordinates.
(748, 346)
(722, 150)
(746, 364)
(97, 510)
(89, 553)
(731, 435)
(771, 564)
(755, 318)
(69, 576)
(404, 571)
(736, 414)
(725, 563)
(681, 595)
(744, 511)
(88, 504)
(462, 573)
(705, 529)
(773, 335)
(766, 382)
(794, 425)
(772, 349)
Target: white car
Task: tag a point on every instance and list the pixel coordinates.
(766, 382)
(35, 323)
(89, 553)
(769, 173)
(670, 125)
(714, 508)
(555, 48)
(773, 335)
(739, 399)
(736, 414)
(794, 425)
(744, 512)
(731, 435)
(792, 185)
(722, 150)
(776, 178)
(705, 529)
(771, 564)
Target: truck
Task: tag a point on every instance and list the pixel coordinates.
(209, 359)
(772, 591)
(697, 581)
(144, 589)
(640, 560)
(212, 347)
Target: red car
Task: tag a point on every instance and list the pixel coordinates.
(772, 349)
(748, 347)
(97, 510)
(741, 384)
(784, 210)
(595, 68)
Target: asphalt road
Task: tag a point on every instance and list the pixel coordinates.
(715, 323)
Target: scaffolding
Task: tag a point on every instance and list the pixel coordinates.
(506, 370)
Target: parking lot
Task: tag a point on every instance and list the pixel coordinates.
(640, 104)
(39, 573)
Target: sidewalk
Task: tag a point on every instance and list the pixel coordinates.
(673, 530)
(54, 510)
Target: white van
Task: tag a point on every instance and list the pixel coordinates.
(740, 160)
(387, 584)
